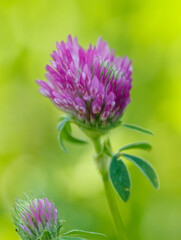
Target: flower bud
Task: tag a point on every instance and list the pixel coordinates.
(37, 219)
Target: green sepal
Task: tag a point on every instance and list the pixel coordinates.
(67, 135)
(138, 128)
(65, 131)
(96, 131)
(120, 178)
(85, 235)
(145, 168)
(61, 127)
(45, 236)
(137, 145)
(59, 228)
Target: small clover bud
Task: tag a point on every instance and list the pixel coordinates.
(37, 219)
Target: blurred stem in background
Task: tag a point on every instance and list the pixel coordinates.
(103, 161)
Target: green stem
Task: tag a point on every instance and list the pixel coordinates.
(102, 163)
(114, 209)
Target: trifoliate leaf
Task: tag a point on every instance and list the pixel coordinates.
(138, 128)
(85, 235)
(120, 178)
(138, 145)
(145, 167)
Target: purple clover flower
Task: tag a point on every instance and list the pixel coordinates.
(92, 86)
(37, 219)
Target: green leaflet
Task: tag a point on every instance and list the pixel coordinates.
(138, 145)
(138, 128)
(65, 134)
(120, 178)
(85, 235)
(145, 167)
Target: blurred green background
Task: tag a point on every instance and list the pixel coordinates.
(149, 32)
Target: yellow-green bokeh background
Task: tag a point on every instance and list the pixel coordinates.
(149, 32)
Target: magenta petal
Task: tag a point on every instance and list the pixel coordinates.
(96, 106)
(86, 98)
(94, 87)
(80, 105)
(110, 101)
(101, 92)
(104, 114)
(25, 228)
(54, 213)
(29, 219)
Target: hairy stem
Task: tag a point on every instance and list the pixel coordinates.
(103, 162)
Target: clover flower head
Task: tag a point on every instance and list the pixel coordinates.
(37, 219)
(91, 85)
